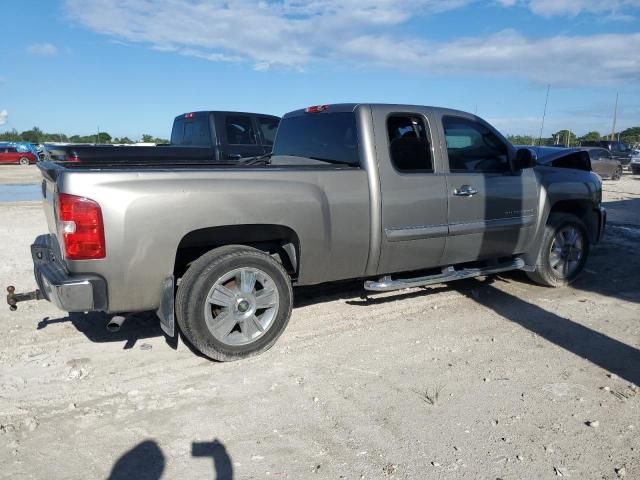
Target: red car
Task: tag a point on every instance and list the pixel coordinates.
(12, 155)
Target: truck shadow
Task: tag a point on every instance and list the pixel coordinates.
(93, 325)
(146, 461)
(606, 352)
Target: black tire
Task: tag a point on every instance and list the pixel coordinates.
(617, 175)
(23, 161)
(545, 274)
(198, 283)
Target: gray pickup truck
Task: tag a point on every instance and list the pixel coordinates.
(397, 195)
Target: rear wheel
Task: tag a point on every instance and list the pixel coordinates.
(234, 302)
(617, 174)
(563, 251)
(23, 161)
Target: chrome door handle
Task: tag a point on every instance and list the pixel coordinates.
(465, 191)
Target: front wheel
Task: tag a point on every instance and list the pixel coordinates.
(23, 161)
(234, 302)
(563, 251)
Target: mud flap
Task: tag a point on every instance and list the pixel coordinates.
(166, 312)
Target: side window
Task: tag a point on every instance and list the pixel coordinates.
(472, 147)
(239, 130)
(268, 128)
(409, 145)
(595, 154)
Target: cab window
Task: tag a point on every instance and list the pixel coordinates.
(239, 130)
(474, 148)
(409, 145)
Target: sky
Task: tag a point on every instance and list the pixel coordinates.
(129, 67)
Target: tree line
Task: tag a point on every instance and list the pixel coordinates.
(36, 136)
(630, 136)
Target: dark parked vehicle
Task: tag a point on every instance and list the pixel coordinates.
(11, 154)
(369, 191)
(596, 159)
(206, 137)
(619, 150)
(604, 163)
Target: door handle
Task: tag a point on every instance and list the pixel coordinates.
(465, 191)
(234, 156)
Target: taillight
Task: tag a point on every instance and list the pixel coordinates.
(316, 108)
(80, 227)
(71, 157)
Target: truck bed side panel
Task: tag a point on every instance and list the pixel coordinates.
(147, 213)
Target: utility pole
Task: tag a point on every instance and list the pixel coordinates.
(615, 115)
(544, 114)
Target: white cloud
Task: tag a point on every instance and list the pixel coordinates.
(4, 115)
(549, 8)
(44, 49)
(296, 33)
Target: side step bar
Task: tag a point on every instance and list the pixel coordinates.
(387, 284)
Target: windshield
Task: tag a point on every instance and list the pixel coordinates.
(323, 136)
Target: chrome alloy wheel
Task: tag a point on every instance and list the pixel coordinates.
(566, 251)
(241, 306)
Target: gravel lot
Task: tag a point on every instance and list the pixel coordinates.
(481, 379)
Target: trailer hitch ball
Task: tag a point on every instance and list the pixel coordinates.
(13, 298)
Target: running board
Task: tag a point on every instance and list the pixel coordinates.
(387, 284)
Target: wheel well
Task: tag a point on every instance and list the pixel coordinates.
(279, 241)
(581, 209)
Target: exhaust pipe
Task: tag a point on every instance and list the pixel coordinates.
(115, 324)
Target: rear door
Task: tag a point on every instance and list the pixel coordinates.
(413, 189)
(238, 136)
(492, 211)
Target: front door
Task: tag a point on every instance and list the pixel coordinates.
(492, 210)
(413, 188)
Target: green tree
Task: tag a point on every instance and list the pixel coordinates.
(103, 137)
(591, 137)
(565, 138)
(10, 136)
(630, 136)
(146, 138)
(34, 135)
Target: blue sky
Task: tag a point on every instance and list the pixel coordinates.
(130, 66)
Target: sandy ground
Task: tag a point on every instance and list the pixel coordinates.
(481, 379)
(17, 174)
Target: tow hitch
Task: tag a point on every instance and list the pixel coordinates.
(13, 298)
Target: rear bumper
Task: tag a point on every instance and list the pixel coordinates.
(69, 292)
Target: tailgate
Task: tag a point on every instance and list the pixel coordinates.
(50, 174)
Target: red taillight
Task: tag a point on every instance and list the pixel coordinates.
(188, 115)
(80, 227)
(316, 108)
(71, 157)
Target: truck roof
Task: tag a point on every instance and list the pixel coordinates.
(207, 112)
(350, 107)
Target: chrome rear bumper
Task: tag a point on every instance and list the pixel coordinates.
(71, 293)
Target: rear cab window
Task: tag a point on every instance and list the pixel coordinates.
(191, 130)
(326, 136)
(239, 130)
(409, 145)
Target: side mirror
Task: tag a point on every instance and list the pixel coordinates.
(524, 159)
